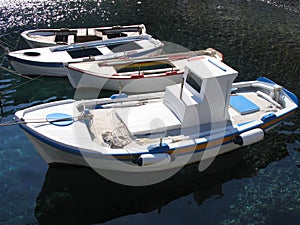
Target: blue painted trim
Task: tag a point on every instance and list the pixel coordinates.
(116, 96)
(266, 80)
(268, 117)
(64, 148)
(244, 123)
(217, 65)
(98, 106)
(69, 149)
(292, 96)
(34, 63)
(289, 93)
(158, 148)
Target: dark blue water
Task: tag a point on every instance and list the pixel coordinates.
(255, 185)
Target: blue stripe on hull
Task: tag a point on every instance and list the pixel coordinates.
(35, 63)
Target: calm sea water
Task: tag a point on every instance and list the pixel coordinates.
(254, 185)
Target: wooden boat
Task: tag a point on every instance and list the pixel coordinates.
(205, 116)
(134, 75)
(50, 61)
(65, 36)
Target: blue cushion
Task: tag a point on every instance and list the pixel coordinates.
(243, 105)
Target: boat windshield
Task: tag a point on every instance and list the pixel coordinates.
(194, 81)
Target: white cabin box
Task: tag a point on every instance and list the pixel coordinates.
(206, 92)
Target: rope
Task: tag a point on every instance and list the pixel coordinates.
(5, 46)
(14, 72)
(18, 42)
(5, 43)
(1, 105)
(12, 123)
(26, 82)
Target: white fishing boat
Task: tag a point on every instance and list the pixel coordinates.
(134, 75)
(65, 36)
(205, 116)
(50, 61)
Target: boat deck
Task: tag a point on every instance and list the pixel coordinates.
(263, 107)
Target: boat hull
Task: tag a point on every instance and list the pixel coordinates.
(38, 44)
(129, 85)
(47, 37)
(147, 132)
(54, 155)
(57, 69)
(37, 69)
(50, 61)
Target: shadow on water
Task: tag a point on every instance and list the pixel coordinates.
(79, 195)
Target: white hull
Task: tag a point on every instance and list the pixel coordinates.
(129, 85)
(35, 70)
(162, 130)
(54, 155)
(50, 61)
(53, 37)
(134, 75)
(36, 44)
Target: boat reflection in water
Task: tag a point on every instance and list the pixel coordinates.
(79, 195)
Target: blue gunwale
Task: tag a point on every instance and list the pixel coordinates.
(289, 93)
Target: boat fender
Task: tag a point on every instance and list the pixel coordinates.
(159, 159)
(249, 137)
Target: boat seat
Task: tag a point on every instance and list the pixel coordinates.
(71, 39)
(148, 119)
(61, 39)
(243, 105)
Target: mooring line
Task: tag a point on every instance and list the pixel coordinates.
(5, 45)
(14, 72)
(26, 82)
(12, 123)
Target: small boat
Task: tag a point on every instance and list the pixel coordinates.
(65, 36)
(195, 121)
(134, 75)
(50, 61)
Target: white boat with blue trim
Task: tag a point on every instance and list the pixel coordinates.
(39, 38)
(50, 61)
(134, 75)
(205, 116)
